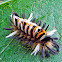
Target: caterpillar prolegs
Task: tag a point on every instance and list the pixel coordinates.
(33, 35)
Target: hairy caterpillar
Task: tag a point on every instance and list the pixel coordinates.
(33, 35)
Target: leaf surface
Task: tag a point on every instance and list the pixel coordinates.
(48, 11)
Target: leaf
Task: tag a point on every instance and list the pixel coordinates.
(49, 11)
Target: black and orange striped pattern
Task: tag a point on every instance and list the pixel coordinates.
(30, 28)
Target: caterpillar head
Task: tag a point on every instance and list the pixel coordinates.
(48, 44)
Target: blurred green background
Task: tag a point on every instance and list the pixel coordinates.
(48, 11)
(2, 1)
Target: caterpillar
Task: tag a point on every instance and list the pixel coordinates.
(32, 34)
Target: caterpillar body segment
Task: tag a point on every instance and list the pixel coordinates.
(35, 35)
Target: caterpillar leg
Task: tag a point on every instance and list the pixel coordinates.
(30, 18)
(36, 50)
(51, 50)
(47, 53)
(20, 37)
(34, 20)
(26, 42)
(16, 36)
(38, 23)
(8, 28)
(46, 27)
(42, 53)
(11, 34)
(56, 45)
(43, 26)
(51, 32)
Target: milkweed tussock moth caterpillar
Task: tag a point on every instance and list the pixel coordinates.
(33, 35)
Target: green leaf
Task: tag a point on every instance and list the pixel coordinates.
(49, 11)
